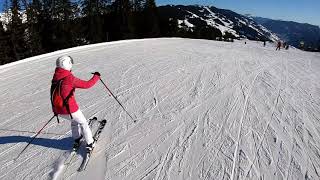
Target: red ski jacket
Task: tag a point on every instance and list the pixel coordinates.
(69, 83)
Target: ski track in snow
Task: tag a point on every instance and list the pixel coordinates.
(204, 110)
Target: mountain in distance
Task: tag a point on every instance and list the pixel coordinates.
(227, 22)
(211, 22)
(293, 32)
(221, 22)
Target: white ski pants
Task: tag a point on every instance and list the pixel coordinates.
(79, 125)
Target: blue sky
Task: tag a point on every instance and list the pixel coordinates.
(305, 11)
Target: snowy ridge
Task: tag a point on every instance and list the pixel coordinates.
(204, 110)
(186, 23)
(272, 36)
(224, 20)
(225, 27)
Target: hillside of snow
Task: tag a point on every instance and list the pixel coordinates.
(226, 21)
(204, 110)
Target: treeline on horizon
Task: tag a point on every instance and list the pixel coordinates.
(58, 24)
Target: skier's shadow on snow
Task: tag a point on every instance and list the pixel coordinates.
(63, 144)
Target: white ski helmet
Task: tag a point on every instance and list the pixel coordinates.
(65, 62)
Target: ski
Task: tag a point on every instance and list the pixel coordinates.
(96, 136)
(74, 151)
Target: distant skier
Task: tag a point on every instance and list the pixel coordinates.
(63, 100)
(278, 46)
(264, 43)
(284, 45)
(287, 47)
(301, 46)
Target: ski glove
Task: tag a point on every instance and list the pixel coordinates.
(96, 73)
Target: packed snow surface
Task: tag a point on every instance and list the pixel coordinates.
(204, 110)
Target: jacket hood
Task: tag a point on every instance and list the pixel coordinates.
(60, 73)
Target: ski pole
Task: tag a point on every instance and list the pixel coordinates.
(31, 132)
(33, 138)
(117, 100)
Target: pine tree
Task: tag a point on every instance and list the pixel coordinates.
(47, 27)
(34, 27)
(17, 32)
(122, 11)
(63, 14)
(56, 24)
(138, 5)
(152, 20)
(135, 19)
(93, 10)
(6, 55)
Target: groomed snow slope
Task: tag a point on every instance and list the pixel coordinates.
(204, 110)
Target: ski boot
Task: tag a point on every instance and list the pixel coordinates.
(90, 147)
(76, 143)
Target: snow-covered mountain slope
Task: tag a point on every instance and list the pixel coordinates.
(224, 20)
(293, 32)
(204, 110)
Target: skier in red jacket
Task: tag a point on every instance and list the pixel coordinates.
(65, 83)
